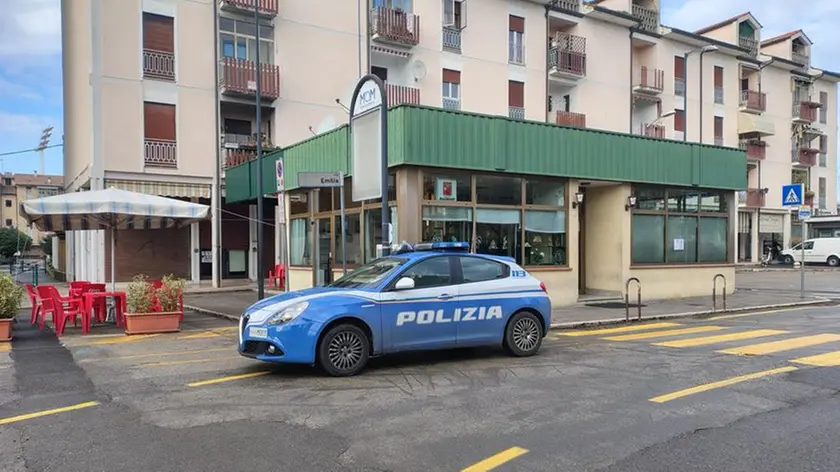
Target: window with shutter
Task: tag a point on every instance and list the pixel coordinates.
(516, 94)
(516, 35)
(679, 120)
(823, 107)
(718, 76)
(159, 121)
(158, 33)
(679, 67)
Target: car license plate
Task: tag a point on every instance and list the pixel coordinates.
(258, 332)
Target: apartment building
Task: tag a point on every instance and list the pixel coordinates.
(16, 188)
(148, 90)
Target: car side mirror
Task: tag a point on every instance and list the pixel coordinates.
(405, 283)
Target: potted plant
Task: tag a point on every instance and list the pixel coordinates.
(154, 308)
(11, 295)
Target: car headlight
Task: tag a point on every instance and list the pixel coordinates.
(287, 314)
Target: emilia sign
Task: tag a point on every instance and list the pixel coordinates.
(369, 135)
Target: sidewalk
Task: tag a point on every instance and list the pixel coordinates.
(232, 304)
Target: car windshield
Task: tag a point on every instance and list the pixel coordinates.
(369, 275)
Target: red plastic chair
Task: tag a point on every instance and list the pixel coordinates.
(277, 276)
(36, 304)
(77, 287)
(64, 310)
(98, 307)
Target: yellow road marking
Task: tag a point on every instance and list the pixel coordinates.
(5, 347)
(496, 460)
(38, 414)
(157, 354)
(720, 384)
(662, 334)
(118, 340)
(228, 379)
(783, 345)
(830, 359)
(757, 313)
(721, 338)
(625, 329)
(188, 361)
(205, 335)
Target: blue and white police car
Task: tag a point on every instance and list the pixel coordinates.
(430, 296)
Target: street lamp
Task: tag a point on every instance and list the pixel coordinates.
(578, 199)
(43, 144)
(702, 50)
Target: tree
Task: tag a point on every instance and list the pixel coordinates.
(12, 241)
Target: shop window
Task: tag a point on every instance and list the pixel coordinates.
(446, 187)
(451, 224)
(498, 190)
(474, 269)
(498, 232)
(545, 238)
(373, 231)
(691, 228)
(299, 254)
(352, 239)
(545, 193)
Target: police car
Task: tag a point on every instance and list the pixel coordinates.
(430, 296)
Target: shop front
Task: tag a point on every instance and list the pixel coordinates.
(583, 211)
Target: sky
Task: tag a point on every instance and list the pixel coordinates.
(30, 60)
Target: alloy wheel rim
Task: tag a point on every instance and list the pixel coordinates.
(345, 350)
(526, 334)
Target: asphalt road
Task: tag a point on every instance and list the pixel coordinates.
(737, 392)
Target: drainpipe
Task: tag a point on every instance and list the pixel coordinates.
(547, 52)
(758, 210)
(632, 102)
(216, 190)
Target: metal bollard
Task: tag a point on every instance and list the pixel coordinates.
(627, 298)
(714, 292)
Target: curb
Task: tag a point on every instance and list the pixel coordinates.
(217, 314)
(689, 314)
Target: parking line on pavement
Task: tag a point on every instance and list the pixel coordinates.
(829, 359)
(228, 379)
(722, 338)
(188, 361)
(662, 334)
(758, 313)
(783, 345)
(496, 460)
(122, 339)
(204, 335)
(719, 384)
(5, 347)
(155, 354)
(625, 329)
(38, 414)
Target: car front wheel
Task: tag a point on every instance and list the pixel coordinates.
(523, 335)
(344, 350)
(788, 259)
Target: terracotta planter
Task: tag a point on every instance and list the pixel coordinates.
(5, 330)
(147, 323)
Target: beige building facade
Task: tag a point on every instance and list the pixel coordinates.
(160, 97)
(17, 188)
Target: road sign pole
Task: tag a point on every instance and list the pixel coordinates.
(341, 228)
(802, 265)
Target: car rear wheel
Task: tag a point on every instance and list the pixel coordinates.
(344, 350)
(523, 335)
(833, 261)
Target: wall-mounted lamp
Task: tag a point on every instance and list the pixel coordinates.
(578, 199)
(631, 203)
(765, 190)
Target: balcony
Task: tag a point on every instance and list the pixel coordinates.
(804, 157)
(400, 95)
(568, 5)
(265, 8)
(393, 26)
(451, 39)
(160, 153)
(753, 102)
(516, 113)
(235, 157)
(679, 86)
(649, 81)
(679, 135)
(567, 57)
(238, 77)
(756, 150)
(451, 103)
(752, 197)
(803, 112)
(652, 131)
(648, 17)
(158, 65)
(800, 57)
(749, 43)
(719, 140)
(568, 118)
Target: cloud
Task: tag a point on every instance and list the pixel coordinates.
(17, 91)
(19, 125)
(30, 28)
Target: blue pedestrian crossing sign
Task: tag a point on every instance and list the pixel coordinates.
(792, 195)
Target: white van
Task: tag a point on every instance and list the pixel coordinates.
(817, 251)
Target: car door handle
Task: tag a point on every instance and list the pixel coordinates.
(445, 296)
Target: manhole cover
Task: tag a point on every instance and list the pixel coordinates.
(613, 305)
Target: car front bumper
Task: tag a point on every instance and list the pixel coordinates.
(294, 342)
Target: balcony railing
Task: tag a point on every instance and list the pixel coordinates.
(800, 57)
(235, 157)
(718, 94)
(451, 103)
(804, 157)
(264, 7)
(568, 5)
(756, 151)
(802, 111)
(753, 197)
(567, 55)
(516, 113)
(400, 95)
(395, 26)
(452, 39)
(718, 140)
(649, 80)
(679, 86)
(753, 101)
(239, 77)
(160, 153)
(568, 118)
(653, 131)
(679, 135)
(158, 65)
(749, 43)
(648, 17)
